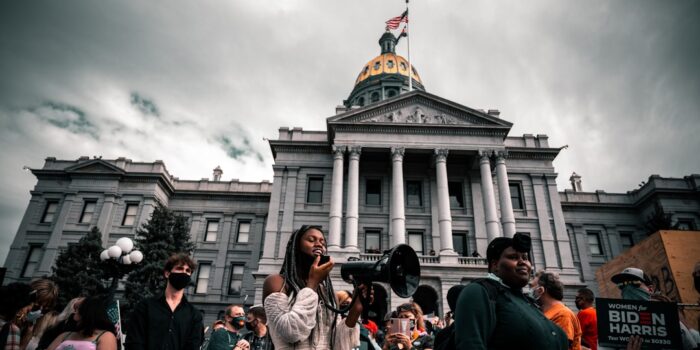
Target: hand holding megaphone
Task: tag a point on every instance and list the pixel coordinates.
(318, 272)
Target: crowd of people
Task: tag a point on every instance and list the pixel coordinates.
(301, 310)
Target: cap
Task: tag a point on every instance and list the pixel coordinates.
(631, 274)
(520, 242)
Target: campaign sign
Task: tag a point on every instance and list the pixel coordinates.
(655, 322)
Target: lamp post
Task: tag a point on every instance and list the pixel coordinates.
(119, 260)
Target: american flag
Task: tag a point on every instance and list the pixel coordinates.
(394, 22)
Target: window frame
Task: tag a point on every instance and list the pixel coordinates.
(32, 248)
(367, 193)
(410, 233)
(207, 231)
(465, 241)
(232, 275)
(126, 213)
(420, 193)
(461, 194)
(87, 202)
(46, 212)
(519, 190)
(595, 234)
(199, 278)
(238, 231)
(373, 231)
(629, 236)
(309, 191)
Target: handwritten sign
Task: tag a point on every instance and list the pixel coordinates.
(656, 322)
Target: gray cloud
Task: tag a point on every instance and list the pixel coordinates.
(66, 117)
(144, 105)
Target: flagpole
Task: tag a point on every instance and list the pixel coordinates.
(408, 44)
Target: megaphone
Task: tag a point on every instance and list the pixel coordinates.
(399, 267)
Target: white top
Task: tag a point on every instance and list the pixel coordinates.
(306, 324)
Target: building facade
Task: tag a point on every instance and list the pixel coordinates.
(393, 166)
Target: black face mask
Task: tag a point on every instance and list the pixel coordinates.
(179, 280)
(250, 326)
(238, 322)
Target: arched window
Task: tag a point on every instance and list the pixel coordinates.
(361, 101)
(375, 97)
(391, 93)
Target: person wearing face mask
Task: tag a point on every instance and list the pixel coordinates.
(492, 312)
(257, 337)
(548, 292)
(588, 318)
(167, 321)
(227, 337)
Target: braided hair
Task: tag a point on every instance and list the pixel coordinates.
(295, 277)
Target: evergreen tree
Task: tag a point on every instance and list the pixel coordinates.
(164, 234)
(78, 270)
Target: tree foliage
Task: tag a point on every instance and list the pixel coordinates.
(164, 234)
(78, 270)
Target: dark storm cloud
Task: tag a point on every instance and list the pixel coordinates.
(144, 105)
(66, 117)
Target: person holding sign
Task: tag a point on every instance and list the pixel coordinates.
(548, 291)
(492, 312)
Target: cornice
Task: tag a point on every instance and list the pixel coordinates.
(532, 153)
(423, 129)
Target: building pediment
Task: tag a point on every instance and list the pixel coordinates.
(93, 166)
(419, 108)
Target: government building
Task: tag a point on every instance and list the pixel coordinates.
(395, 164)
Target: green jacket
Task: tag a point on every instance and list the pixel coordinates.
(222, 339)
(503, 320)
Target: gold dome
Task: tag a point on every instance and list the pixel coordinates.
(386, 63)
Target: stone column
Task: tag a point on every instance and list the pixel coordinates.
(507, 217)
(288, 209)
(273, 213)
(104, 222)
(335, 215)
(492, 230)
(353, 200)
(444, 214)
(398, 217)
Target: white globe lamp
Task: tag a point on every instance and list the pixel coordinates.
(114, 252)
(126, 260)
(104, 255)
(126, 244)
(135, 257)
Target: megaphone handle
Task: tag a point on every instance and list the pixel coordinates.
(365, 308)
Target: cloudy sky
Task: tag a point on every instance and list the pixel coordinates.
(199, 84)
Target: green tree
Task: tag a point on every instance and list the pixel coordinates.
(164, 234)
(78, 270)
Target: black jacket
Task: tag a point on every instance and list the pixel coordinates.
(153, 326)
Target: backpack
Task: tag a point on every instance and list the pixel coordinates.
(493, 288)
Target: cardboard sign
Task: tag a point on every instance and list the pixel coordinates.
(656, 322)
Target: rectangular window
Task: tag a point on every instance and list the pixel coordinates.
(88, 212)
(626, 241)
(516, 196)
(415, 240)
(236, 282)
(203, 278)
(32, 262)
(373, 194)
(594, 243)
(685, 224)
(315, 190)
(212, 230)
(243, 232)
(373, 241)
(49, 212)
(456, 194)
(414, 194)
(459, 243)
(130, 214)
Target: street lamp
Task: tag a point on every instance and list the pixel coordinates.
(120, 259)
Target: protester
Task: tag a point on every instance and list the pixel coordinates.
(257, 338)
(44, 294)
(420, 339)
(445, 338)
(493, 313)
(167, 321)
(15, 304)
(65, 322)
(295, 299)
(588, 318)
(227, 337)
(95, 331)
(548, 292)
(48, 320)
